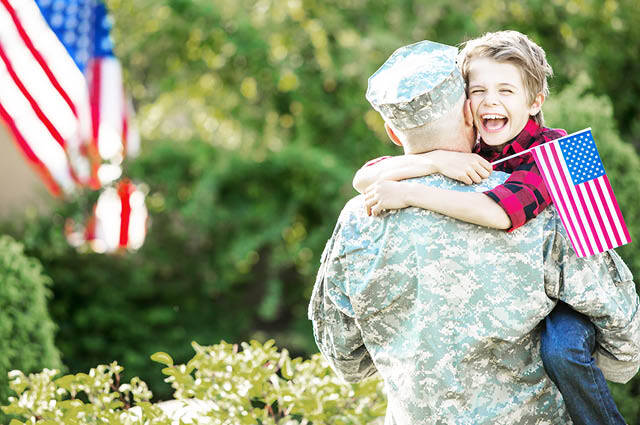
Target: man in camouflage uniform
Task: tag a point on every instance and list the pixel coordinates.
(448, 312)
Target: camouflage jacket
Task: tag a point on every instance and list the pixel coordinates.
(448, 312)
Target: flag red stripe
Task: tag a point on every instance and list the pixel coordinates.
(573, 205)
(28, 152)
(38, 57)
(95, 101)
(550, 181)
(598, 215)
(125, 215)
(617, 209)
(34, 105)
(608, 212)
(591, 229)
(603, 199)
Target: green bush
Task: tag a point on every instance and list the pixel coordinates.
(247, 384)
(26, 330)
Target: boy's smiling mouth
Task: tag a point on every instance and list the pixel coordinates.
(494, 122)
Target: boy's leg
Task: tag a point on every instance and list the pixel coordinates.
(567, 344)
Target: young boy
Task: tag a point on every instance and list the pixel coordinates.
(506, 76)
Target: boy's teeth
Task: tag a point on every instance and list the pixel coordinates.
(494, 122)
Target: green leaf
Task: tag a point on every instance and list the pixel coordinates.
(163, 358)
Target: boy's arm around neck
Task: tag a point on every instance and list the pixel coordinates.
(472, 207)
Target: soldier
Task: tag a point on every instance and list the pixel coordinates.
(446, 311)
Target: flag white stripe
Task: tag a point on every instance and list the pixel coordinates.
(61, 66)
(53, 52)
(596, 230)
(544, 168)
(569, 210)
(608, 198)
(593, 186)
(574, 194)
(34, 79)
(111, 109)
(43, 145)
(556, 190)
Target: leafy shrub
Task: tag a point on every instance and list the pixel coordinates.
(250, 384)
(26, 330)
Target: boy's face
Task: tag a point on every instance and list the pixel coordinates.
(499, 100)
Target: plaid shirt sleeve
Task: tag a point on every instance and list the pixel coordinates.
(523, 195)
(375, 161)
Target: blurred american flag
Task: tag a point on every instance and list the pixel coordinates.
(61, 91)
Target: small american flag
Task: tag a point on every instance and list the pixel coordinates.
(573, 172)
(61, 92)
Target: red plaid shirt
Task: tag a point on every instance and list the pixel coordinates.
(523, 195)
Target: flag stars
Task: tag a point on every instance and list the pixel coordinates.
(106, 44)
(581, 157)
(71, 22)
(72, 9)
(69, 37)
(57, 20)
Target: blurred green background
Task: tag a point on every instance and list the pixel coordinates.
(253, 120)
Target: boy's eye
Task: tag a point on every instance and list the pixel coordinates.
(506, 91)
(477, 91)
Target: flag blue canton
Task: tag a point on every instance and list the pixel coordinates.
(581, 156)
(82, 26)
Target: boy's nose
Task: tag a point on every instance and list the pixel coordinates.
(491, 99)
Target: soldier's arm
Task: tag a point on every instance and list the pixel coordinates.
(336, 333)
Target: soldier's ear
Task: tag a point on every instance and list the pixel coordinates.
(392, 135)
(468, 116)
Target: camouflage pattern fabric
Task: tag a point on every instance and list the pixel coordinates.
(416, 85)
(448, 313)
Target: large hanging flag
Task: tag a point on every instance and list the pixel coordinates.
(572, 170)
(43, 95)
(61, 91)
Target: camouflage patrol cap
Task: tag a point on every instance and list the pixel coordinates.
(417, 84)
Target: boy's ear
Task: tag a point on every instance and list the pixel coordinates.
(392, 135)
(537, 104)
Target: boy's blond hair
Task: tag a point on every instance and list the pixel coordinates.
(515, 48)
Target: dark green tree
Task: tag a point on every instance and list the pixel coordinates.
(26, 328)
